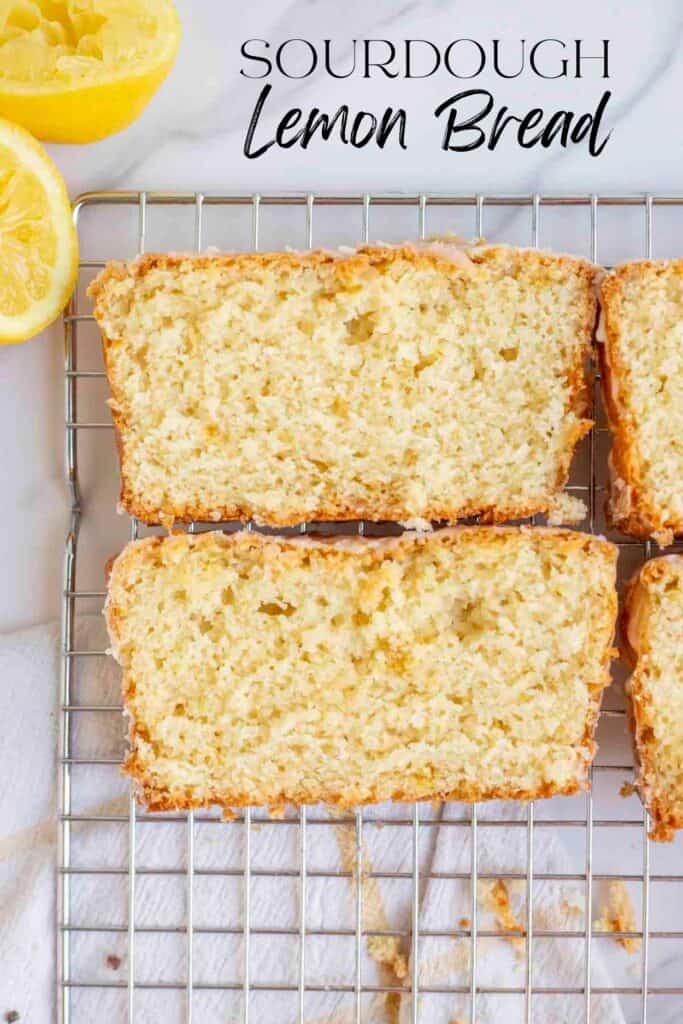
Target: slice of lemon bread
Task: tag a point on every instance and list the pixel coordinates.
(393, 383)
(642, 356)
(653, 621)
(465, 664)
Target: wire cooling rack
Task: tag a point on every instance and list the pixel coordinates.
(108, 859)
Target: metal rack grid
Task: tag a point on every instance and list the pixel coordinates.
(413, 820)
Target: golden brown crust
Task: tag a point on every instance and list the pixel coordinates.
(160, 799)
(631, 507)
(636, 643)
(382, 509)
(156, 799)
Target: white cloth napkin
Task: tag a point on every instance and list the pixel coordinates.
(29, 665)
(558, 906)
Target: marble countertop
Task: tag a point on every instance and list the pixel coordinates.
(191, 137)
(192, 134)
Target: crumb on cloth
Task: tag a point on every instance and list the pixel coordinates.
(570, 907)
(495, 897)
(618, 915)
(385, 950)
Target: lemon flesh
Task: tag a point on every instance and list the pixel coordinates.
(78, 71)
(38, 244)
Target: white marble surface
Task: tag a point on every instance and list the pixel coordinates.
(190, 138)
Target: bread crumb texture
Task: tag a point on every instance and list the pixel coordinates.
(388, 383)
(643, 382)
(654, 630)
(464, 664)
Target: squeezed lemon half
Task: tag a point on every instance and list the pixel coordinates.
(80, 70)
(38, 244)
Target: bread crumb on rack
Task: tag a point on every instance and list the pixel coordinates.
(385, 950)
(495, 897)
(618, 915)
(571, 907)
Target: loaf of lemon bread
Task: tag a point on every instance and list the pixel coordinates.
(464, 664)
(412, 382)
(653, 621)
(642, 357)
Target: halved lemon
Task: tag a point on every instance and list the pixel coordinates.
(79, 70)
(38, 244)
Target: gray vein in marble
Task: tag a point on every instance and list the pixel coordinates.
(212, 115)
(620, 111)
(623, 108)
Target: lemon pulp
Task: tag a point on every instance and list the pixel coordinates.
(76, 71)
(38, 247)
(28, 243)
